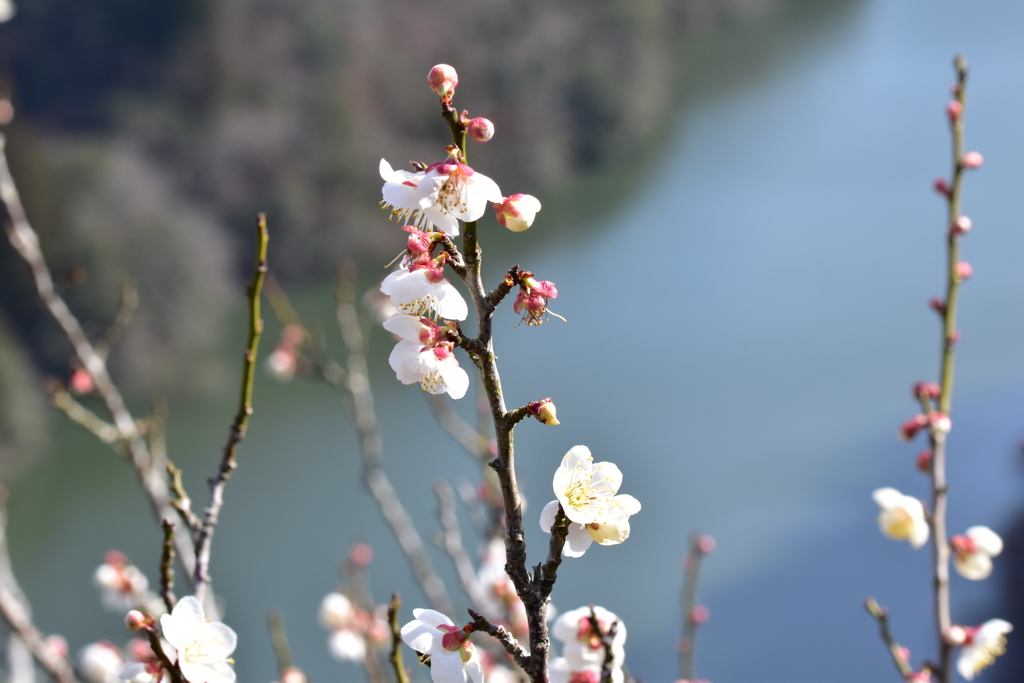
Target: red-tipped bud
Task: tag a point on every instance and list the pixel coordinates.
(481, 129)
(544, 411)
(924, 461)
(937, 305)
(954, 337)
(961, 226)
(953, 110)
(972, 160)
(922, 676)
(57, 645)
(442, 79)
(81, 382)
(941, 186)
(361, 554)
(940, 423)
(700, 614)
(517, 212)
(293, 674)
(910, 428)
(923, 390)
(903, 654)
(136, 620)
(963, 271)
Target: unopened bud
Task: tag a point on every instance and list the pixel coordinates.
(136, 620)
(963, 271)
(923, 390)
(940, 423)
(442, 79)
(481, 129)
(705, 544)
(81, 382)
(961, 226)
(953, 110)
(293, 674)
(941, 186)
(937, 305)
(517, 212)
(361, 554)
(700, 614)
(924, 461)
(903, 654)
(910, 428)
(57, 645)
(955, 635)
(972, 160)
(544, 411)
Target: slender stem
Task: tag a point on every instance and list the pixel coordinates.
(940, 544)
(396, 640)
(204, 534)
(279, 639)
(26, 243)
(167, 566)
(691, 578)
(881, 615)
(15, 610)
(156, 645)
(453, 545)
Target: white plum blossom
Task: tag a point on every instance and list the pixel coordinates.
(7, 10)
(456, 189)
(399, 195)
(901, 517)
(422, 356)
(973, 552)
(203, 647)
(981, 646)
(338, 615)
(100, 662)
(143, 672)
(422, 290)
(347, 646)
(453, 659)
(583, 652)
(122, 585)
(586, 493)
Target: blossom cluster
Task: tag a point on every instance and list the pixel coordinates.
(583, 649)
(351, 627)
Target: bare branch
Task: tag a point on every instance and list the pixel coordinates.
(453, 544)
(508, 642)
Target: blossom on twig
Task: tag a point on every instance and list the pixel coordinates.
(203, 647)
(121, 583)
(455, 189)
(901, 517)
(424, 356)
(974, 550)
(517, 212)
(100, 662)
(418, 290)
(399, 195)
(979, 645)
(587, 494)
(453, 659)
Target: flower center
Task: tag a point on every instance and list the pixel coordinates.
(987, 653)
(901, 523)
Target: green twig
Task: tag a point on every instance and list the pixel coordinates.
(396, 639)
(881, 615)
(167, 566)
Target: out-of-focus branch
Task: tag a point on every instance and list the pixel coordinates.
(693, 614)
(167, 566)
(204, 535)
(79, 414)
(453, 544)
(607, 638)
(470, 439)
(899, 657)
(279, 639)
(16, 612)
(357, 385)
(129, 302)
(26, 243)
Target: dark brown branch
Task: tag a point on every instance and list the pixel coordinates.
(157, 647)
(506, 639)
(167, 566)
(204, 535)
(396, 640)
(607, 638)
(501, 291)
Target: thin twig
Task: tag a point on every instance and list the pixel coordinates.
(881, 615)
(453, 544)
(279, 639)
(16, 612)
(691, 577)
(26, 243)
(501, 634)
(182, 503)
(155, 644)
(370, 445)
(123, 318)
(607, 639)
(204, 535)
(396, 640)
(79, 414)
(167, 566)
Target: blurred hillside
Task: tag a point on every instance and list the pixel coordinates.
(148, 135)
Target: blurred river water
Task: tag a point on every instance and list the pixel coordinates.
(743, 333)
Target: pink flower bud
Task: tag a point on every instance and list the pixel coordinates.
(972, 160)
(361, 554)
(705, 544)
(940, 423)
(953, 111)
(941, 186)
(903, 653)
(481, 129)
(910, 428)
(700, 614)
(924, 461)
(923, 390)
(922, 676)
(442, 79)
(954, 337)
(136, 620)
(963, 271)
(517, 212)
(57, 645)
(81, 382)
(961, 226)
(544, 411)
(293, 674)
(937, 305)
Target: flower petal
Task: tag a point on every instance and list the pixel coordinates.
(577, 541)
(446, 667)
(455, 378)
(405, 326)
(548, 515)
(450, 303)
